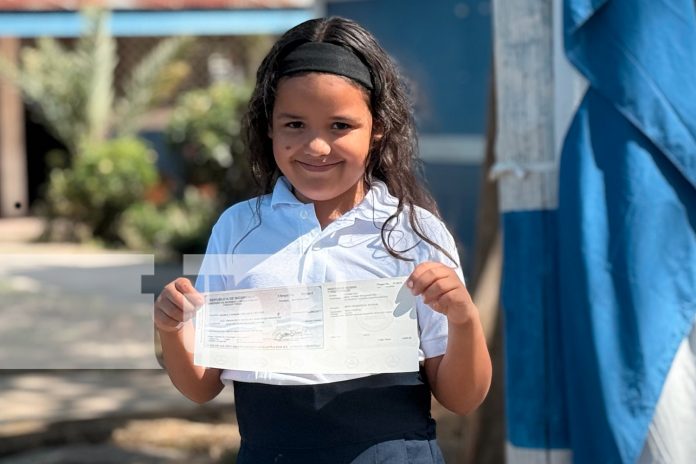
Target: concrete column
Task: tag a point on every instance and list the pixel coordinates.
(14, 193)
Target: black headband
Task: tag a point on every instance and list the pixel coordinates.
(325, 57)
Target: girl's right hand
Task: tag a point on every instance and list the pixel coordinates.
(177, 304)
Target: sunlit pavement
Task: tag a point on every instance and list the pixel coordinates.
(76, 337)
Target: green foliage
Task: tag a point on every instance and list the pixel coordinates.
(177, 227)
(103, 182)
(100, 48)
(72, 89)
(100, 186)
(154, 80)
(52, 80)
(205, 129)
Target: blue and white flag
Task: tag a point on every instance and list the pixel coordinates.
(598, 195)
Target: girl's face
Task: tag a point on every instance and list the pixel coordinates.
(321, 131)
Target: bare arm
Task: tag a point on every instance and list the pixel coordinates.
(459, 379)
(173, 311)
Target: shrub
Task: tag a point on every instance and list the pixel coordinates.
(205, 131)
(173, 228)
(103, 181)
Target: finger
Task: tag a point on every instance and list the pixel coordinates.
(177, 298)
(417, 274)
(441, 304)
(166, 306)
(439, 288)
(184, 286)
(425, 276)
(165, 323)
(424, 266)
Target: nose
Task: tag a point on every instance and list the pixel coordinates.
(318, 146)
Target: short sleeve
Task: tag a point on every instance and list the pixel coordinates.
(432, 324)
(211, 275)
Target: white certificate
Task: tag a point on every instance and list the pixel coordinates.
(332, 328)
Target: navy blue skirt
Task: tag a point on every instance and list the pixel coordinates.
(382, 418)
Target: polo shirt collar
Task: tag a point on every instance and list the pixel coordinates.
(377, 205)
(282, 193)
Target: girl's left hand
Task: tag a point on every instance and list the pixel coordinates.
(442, 290)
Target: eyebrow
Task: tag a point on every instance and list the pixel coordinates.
(288, 116)
(338, 117)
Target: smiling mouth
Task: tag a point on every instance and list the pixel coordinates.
(318, 167)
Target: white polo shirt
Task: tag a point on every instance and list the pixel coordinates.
(289, 247)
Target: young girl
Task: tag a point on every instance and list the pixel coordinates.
(332, 145)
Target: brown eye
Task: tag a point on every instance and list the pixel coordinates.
(340, 126)
(294, 125)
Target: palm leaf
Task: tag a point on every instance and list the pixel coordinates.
(154, 78)
(46, 78)
(100, 50)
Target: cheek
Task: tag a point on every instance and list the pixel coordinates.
(283, 147)
(357, 147)
(283, 143)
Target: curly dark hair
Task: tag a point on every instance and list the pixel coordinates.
(393, 157)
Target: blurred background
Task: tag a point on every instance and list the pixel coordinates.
(119, 146)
